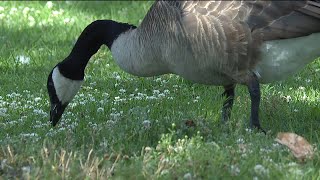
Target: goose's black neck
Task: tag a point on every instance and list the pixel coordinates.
(93, 36)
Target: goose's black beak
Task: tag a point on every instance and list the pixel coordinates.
(56, 112)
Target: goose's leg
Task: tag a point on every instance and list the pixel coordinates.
(254, 90)
(228, 103)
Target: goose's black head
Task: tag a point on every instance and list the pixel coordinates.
(65, 79)
(61, 91)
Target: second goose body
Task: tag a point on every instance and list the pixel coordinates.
(210, 42)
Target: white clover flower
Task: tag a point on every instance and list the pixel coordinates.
(37, 99)
(296, 172)
(156, 91)
(13, 11)
(49, 4)
(73, 105)
(13, 105)
(304, 97)
(161, 95)
(73, 125)
(110, 123)
(275, 145)
(261, 170)
(3, 111)
(32, 22)
(288, 98)
(118, 77)
(23, 59)
(29, 134)
(115, 115)
(61, 128)
(83, 102)
(151, 97)
(104, 143)
(42, 23)
(92, 99)
(240, 141)
(3, 163)
(56, 13)
(138, 98)
(146, 124)
(158, 79)
(68, 20)
(100, 109)
(12, 122)
(122, 90)
(187, 176)
(292, 164)
(147, 149)
(25, 11)
(93, 125)
(3, 103)
(40, 112)
(234, 170)
(141, 95)
(26, 169)
(265, 150)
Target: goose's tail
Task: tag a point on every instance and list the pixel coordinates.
(283, 58)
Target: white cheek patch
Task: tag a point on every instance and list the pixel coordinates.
(65, 88)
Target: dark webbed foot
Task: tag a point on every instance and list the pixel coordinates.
(257, 127)
(254, 90)
(228, 103)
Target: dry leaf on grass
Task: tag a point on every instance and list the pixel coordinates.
(299, 146)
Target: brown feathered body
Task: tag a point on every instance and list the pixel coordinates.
(216, 42)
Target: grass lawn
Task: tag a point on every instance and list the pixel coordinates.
(121, 126)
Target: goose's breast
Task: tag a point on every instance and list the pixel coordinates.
(199, 68)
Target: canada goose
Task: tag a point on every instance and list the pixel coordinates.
(210, 42)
